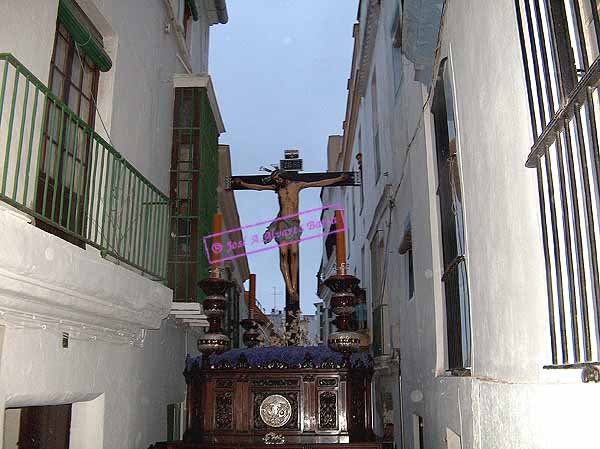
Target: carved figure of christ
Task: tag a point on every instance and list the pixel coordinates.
(288, 193)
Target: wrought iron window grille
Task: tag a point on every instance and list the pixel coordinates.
(560, 42)
(454, 278)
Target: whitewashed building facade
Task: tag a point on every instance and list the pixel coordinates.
(87, 92)
(481, 270)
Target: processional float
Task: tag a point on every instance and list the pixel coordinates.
(293, 396)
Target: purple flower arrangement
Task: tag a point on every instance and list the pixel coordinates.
(282, 357)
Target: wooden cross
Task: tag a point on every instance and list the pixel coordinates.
(287, 184)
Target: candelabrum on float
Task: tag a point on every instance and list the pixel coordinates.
(215, 303)
(342, 303)
(343, 299)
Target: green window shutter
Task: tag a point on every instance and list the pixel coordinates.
(194, 9)
(70, 16)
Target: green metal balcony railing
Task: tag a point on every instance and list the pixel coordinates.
(55, 168)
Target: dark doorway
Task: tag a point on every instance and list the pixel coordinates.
(46, 427)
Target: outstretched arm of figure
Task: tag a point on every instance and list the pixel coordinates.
(238, 182)
(324, 182)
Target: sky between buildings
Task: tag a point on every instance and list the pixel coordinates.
(280, 69)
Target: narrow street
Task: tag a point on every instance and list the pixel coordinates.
(314, 224)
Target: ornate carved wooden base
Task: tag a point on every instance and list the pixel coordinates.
(293, 396)
(273, 445)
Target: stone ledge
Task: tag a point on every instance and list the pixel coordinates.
(41, 274)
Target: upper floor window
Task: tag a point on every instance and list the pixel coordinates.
(73, 75)
(359, 159)
(361, 310)
(375, 126)
(190, 204)
(73, 78)
(377, 293)
(363, 262)
(456, 287)
(353, 214)
(377, 265)
(396, 39)
(406, 250)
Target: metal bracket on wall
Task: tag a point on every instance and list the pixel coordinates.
(590, 373)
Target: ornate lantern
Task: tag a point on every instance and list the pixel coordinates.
(343, 302)
(215, 287)
(251, 337)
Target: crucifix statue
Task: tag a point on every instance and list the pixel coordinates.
(287, 182)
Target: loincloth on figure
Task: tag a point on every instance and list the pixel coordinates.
(283, 231)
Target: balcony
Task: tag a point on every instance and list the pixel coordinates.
(99, 198)
(59, 174)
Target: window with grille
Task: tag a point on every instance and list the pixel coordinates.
(406, 250)
(560, 42)
(454, 278)
(361, 310)
(353, 214)
(359, 158)
(377, 262)
(193, 190)
(375, 126)
(379, 306)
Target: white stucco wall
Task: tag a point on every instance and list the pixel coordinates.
(120, 391)
(48, 286)
(509, 401)
(136, 383)
(375, 214)
(519, 403)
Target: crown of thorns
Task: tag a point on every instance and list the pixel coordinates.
(276, 171)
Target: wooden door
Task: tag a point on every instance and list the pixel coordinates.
(46, 427)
